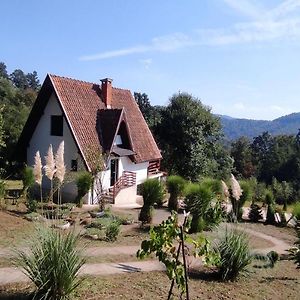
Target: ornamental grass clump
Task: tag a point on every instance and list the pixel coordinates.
(52, 263)
(198, 201)
(152, 192)
(175, 186)
(235, 256)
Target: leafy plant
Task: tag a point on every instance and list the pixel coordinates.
(52, 263)
(152, 192)
(255, 213)
(167, 241)
(27, 178)
(112, 231)
(32, 204)
(84, 182)
(198, 200)
(175, 185)
(295, 251)
(234, 253)
(296, 211)
(269, 200)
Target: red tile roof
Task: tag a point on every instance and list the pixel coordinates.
(81, 102)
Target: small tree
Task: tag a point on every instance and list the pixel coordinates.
(84, 183)
(255, 213)
(152, 192)
(269, 200)
(175, 185)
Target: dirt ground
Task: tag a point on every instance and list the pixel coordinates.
(279, 283)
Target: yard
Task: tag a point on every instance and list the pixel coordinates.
(278, 283)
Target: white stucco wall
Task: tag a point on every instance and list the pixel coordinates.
(41, 140)
(140, 169)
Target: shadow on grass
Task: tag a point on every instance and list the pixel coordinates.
(282, 278)
(207, 274)
(15, 296)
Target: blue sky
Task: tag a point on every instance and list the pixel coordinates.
(240, 57)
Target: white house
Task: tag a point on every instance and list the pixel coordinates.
(102, 128)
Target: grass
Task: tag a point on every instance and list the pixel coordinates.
(13, 229)
(282, 282)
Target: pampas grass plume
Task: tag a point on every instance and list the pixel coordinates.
(225, 191)
(37, 168)
(235, 188)
(59, 162)
(50, 163)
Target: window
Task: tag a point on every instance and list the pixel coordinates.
(74, 164)
(57, 125)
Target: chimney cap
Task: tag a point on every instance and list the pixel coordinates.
(104, 80)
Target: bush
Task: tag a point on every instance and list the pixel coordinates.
(52, 264)
(27, 178)
(84, 182)
(255, 213)
(213, 184)
(152, 193)
(296, 211)
(269, 200)
(234, 253)
(247, 195)
(295, 251)
(198, 200)
(175, 185)
(112, 231)
(32, 205)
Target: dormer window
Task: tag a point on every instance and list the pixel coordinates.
(57, 128)
(118, 140)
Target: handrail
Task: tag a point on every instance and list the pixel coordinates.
(127, 179)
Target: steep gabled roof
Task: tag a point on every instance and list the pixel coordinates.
(83, 108)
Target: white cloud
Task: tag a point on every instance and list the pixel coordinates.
(245, 7)
(265, 26)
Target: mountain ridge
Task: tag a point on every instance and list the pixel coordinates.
(234, 128)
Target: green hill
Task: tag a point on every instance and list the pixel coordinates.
(234, 128)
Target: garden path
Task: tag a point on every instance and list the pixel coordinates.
(11, 275)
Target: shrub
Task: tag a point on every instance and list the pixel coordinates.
(27, 178)
(32, 205)
(269, 200)
(52, 263)
(255, 213)
(198, 200)
(247, 195)
(296, 211)
(234, 253)
(213, 184)
(295, 251)
(175, 185)
(152, 193)
(84, 182)
(112, 231)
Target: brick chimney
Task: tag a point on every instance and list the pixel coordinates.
(106, 87)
